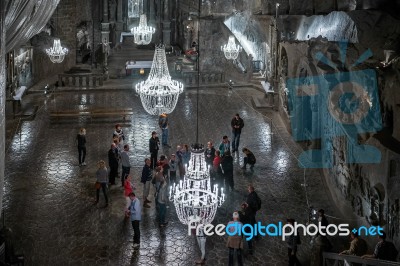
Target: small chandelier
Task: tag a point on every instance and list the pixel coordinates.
(231, 50)
(57, 52)
(194, 198)
(159, 93)
(142, 33)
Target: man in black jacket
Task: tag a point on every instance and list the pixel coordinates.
(154, 144)
(146, 179)
(113, 163)
(252, 202)
(237, 124)
(227, 170)
(246, 219)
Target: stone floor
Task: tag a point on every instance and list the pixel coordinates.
(48, 198)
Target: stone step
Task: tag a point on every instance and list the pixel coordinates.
(261, 102)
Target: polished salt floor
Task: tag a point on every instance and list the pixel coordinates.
(48, 199)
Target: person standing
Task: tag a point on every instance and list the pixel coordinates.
(224, 146)
(173, 166)
(246, 219)
(201, 241)
(235, 242)
(146, 180)
(113, 163)
(209, 153)
(253, 202)
(135, 213)
(292, 241)
(179, 159)
(237, 124)
(185, 155)
(101, 181)
(227, 170)
(216, 172)
(162, 202)
(163, 123)
(128, 189)
(81, 140)
(154, 144)
(118, 133)
(126, 164)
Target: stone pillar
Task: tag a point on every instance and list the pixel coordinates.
(105, 11)
(105, 37)
(166, 26)
(152, 14)
(119, 25)
(2, 96)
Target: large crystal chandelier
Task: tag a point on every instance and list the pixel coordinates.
(231, 50)
(142, 33)
(159, 93)
(57, 52)
(193, 197)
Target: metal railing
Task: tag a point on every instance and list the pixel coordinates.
(190, 77)
(80, 80)
(334, 259)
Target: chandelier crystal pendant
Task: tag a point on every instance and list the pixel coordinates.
(159, 93)
(142, 34)
(57, 52)
(231, 50)
(194, 198)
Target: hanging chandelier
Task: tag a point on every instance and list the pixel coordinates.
(57, 52)
(159, 93)
(143, 33)
(231, 50)
(193, 197)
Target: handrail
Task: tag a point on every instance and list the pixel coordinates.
(80, 79)
(328, 256)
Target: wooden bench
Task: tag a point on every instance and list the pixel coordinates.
(111, 112)
(93, 113)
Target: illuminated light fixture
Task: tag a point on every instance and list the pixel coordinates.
(159, 93)
(193, 197)
(231, 50)
(142, 34)
(57, 52)
(141, 71)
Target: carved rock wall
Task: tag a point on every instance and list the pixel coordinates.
(65, 20)
(368, 193)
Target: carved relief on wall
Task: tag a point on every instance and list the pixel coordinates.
(375, 210)
(394, 219)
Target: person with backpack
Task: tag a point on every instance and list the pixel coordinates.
(135, 214)
(254, 204)
(292, 241)
(384, 250)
